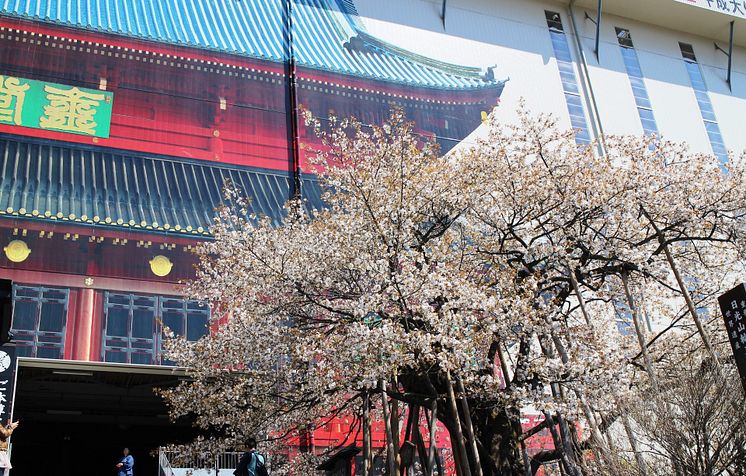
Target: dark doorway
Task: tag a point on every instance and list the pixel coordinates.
(77, 417)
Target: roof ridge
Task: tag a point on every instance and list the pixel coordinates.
(385, 47)
(348, 8)
(330, 34)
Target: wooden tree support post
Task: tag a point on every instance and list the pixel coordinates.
(566, 460)
(407, 463)
(461, 445)
(419, 443)
(684, 291)
(633, 444)
(390, 448)
(640, 331)
(469, 427)
(394, 419)
(689, 303)
(589, 415)
(579, 295)
(432, 423)
(367, 453)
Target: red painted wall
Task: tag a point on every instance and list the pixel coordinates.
(192, 104)
(186, 103)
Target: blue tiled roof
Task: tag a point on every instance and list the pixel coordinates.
(64, 182)
(326, 34)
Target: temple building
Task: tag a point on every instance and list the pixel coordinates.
(120, 123)
(122, 120)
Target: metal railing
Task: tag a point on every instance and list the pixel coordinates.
(164, 465)
(167, 462)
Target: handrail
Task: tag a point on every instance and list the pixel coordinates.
(223, 461)
(164, 464)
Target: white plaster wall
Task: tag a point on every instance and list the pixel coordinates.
(514, 37)
(674, 104)
(513, 34)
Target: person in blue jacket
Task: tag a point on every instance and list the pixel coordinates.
(124, 467)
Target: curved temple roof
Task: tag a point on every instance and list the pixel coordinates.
(326, 34)
(95, 186)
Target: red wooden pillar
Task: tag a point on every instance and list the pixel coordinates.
(85, 334)
(83, 321)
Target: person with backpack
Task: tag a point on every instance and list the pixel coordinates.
(252, 463)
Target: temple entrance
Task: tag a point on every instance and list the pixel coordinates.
(76, 417)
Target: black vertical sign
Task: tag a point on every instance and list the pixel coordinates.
(733, 307)
(8, 366)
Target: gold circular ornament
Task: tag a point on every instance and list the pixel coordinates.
(17, 251)
(161, 266)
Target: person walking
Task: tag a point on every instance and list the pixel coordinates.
(124, 467)
(251, 463)
(5, 432)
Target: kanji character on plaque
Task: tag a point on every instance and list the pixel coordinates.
(12, 94)
(70, 110)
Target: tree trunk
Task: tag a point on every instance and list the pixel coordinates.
(496, 428)
(499, 430)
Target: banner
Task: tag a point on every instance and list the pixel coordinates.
(735, 8)
(8, 373)
(55, 107)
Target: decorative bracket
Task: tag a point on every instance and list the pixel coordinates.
(596, 22)
(729, 54)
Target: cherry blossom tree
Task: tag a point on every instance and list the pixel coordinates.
(465, 288)
(696, 427)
